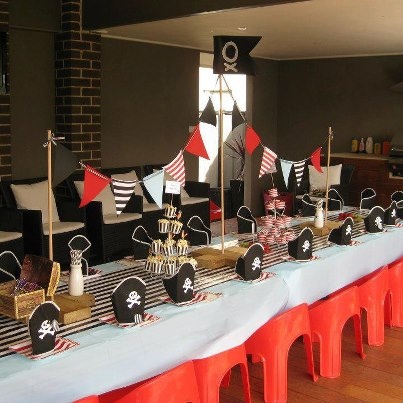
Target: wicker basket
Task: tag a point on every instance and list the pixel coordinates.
(35, 269)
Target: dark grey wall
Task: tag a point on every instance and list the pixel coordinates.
(149, 100)
(32, 98)
(263, 109)
(350, 94)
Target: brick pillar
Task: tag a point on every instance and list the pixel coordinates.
(5, 129)
(78, 85)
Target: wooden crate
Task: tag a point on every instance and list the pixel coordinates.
(211, 261)
(73, 309)
(19, 306)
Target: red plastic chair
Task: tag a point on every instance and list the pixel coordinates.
(215, 212)
(372, 294)
(394, 303)
(177, 385)
(211, 371)
(327, 319)
(272, 343)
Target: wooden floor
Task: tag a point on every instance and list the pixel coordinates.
(378, 378)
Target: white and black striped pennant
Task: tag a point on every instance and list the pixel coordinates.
(122, 191)
(299, 170)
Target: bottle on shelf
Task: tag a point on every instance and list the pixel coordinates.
(369, 145)
(354, 145)
(362, 146)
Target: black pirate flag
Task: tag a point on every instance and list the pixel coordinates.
(231, 54)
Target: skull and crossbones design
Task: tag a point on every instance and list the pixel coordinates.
(393, 213)
(256, 263)
(348, 230)
(46, 328)
(306, 245)
(230, 63)
(134, 298)
(378, 222)
(187, 285)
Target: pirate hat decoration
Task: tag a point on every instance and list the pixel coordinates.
(141, 242)
(43, 325)
(128, 300)
(249, 266)
(246, 222)
(308, 208)
(367, 199)
(374, 221)
(336, 202)
(391, 214)
(398, 198)
(80, 242)
(180, 286)
(343, 234)
(300, 248)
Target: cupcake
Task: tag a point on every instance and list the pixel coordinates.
(157, 265)
(156, 246)
(169, 247)
(169, 266)
(170, 211)
(163, 225)
(175, 226)
(185, 259)
(182, 247)
(150, 262)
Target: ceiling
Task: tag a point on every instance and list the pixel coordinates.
(310, 29)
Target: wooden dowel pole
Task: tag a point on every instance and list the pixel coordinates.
(50, 215)
(222, 167)
(329, 139)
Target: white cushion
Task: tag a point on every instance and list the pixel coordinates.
(105, 197)
(150, 207)
(193, 200)
(35, 197)
(62, 226)
(317, 180)
(122, 217)
(6, 236)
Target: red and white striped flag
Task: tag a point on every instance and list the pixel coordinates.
(268, 162)
(176, 168)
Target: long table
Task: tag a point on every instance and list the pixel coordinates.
(109, 357)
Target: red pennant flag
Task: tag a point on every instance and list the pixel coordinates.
(252, 140)
(94, 183)
(195, 144)
(315, 159)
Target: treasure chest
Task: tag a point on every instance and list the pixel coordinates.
(38, 280)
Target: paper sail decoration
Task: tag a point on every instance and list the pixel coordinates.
(300, 248)
(154, 183)
(315, 159)
(196, 145)
(64, 163)
(80, 242)
(180, 286)
(391, 214)
(237, 118)
(246, 222)
(94, 183)
(141, 243)
(308, 207)
(252, 140)
(128, 300)
(208, 115)
(43, 326)
(368, 196)
(231, 54)
(249, 266)
(343, 234)
(336, 202)
(374, 221)
(176, 168)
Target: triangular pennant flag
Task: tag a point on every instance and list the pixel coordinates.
(94, 183)
(208, 115)
(154, 183)
(122, 191)
(196, 145)
(252, 140)
(231, 54)
(65, 162)
(176, 168)
(299, 170)
(315, 159)
(268, 162)
(286, 169)
(237, 118)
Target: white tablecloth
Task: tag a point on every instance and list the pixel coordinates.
(339, 266)
(109, 357)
